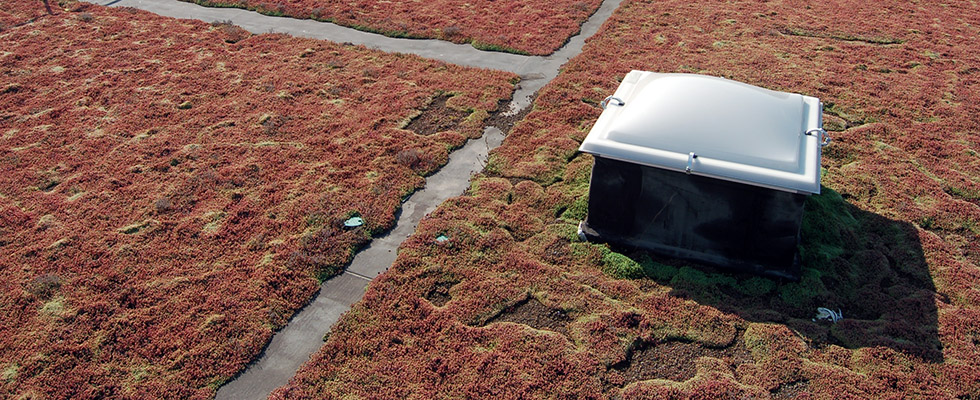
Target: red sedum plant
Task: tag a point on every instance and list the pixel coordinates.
(172, 191)
(893, 240)
(525, 27)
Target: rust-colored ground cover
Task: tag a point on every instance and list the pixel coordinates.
(525, 27)
(513, 306)
(20, 12)
(171, 191)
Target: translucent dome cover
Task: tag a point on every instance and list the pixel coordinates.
(713, 127)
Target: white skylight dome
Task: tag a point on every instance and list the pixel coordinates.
(713, 127)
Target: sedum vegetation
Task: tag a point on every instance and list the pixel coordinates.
(523, 27)
(892, 241)
(173, 191)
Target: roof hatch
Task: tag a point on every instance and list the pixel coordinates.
(713, 127)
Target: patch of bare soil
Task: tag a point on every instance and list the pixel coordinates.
(504, 122)
(436, 118)
(536, 315)
(792, 390)
(439, 295)
(675, 360)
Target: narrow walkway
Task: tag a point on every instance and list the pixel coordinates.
(294, 344)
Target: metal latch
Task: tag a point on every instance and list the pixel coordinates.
(690, 162)
(822, 135)
(615, 100)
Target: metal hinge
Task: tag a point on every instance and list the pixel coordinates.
(616, 101)
(822, 135)
(690, 162)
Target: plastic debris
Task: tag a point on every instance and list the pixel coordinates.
(581, 232)
(442, 238)
(826, 314)
(354, 222)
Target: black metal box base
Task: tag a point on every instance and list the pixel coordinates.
(722, 223)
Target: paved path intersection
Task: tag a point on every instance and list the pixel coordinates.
(303, 336)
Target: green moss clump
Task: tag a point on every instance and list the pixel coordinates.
(802, 295)
(690, 277)
(620, 266)
(567, 232)
(496, 47)
(656, 270)
(577, 210)
(756, 286)
(825, 220)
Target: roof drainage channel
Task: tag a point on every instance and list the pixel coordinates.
(303, 335)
